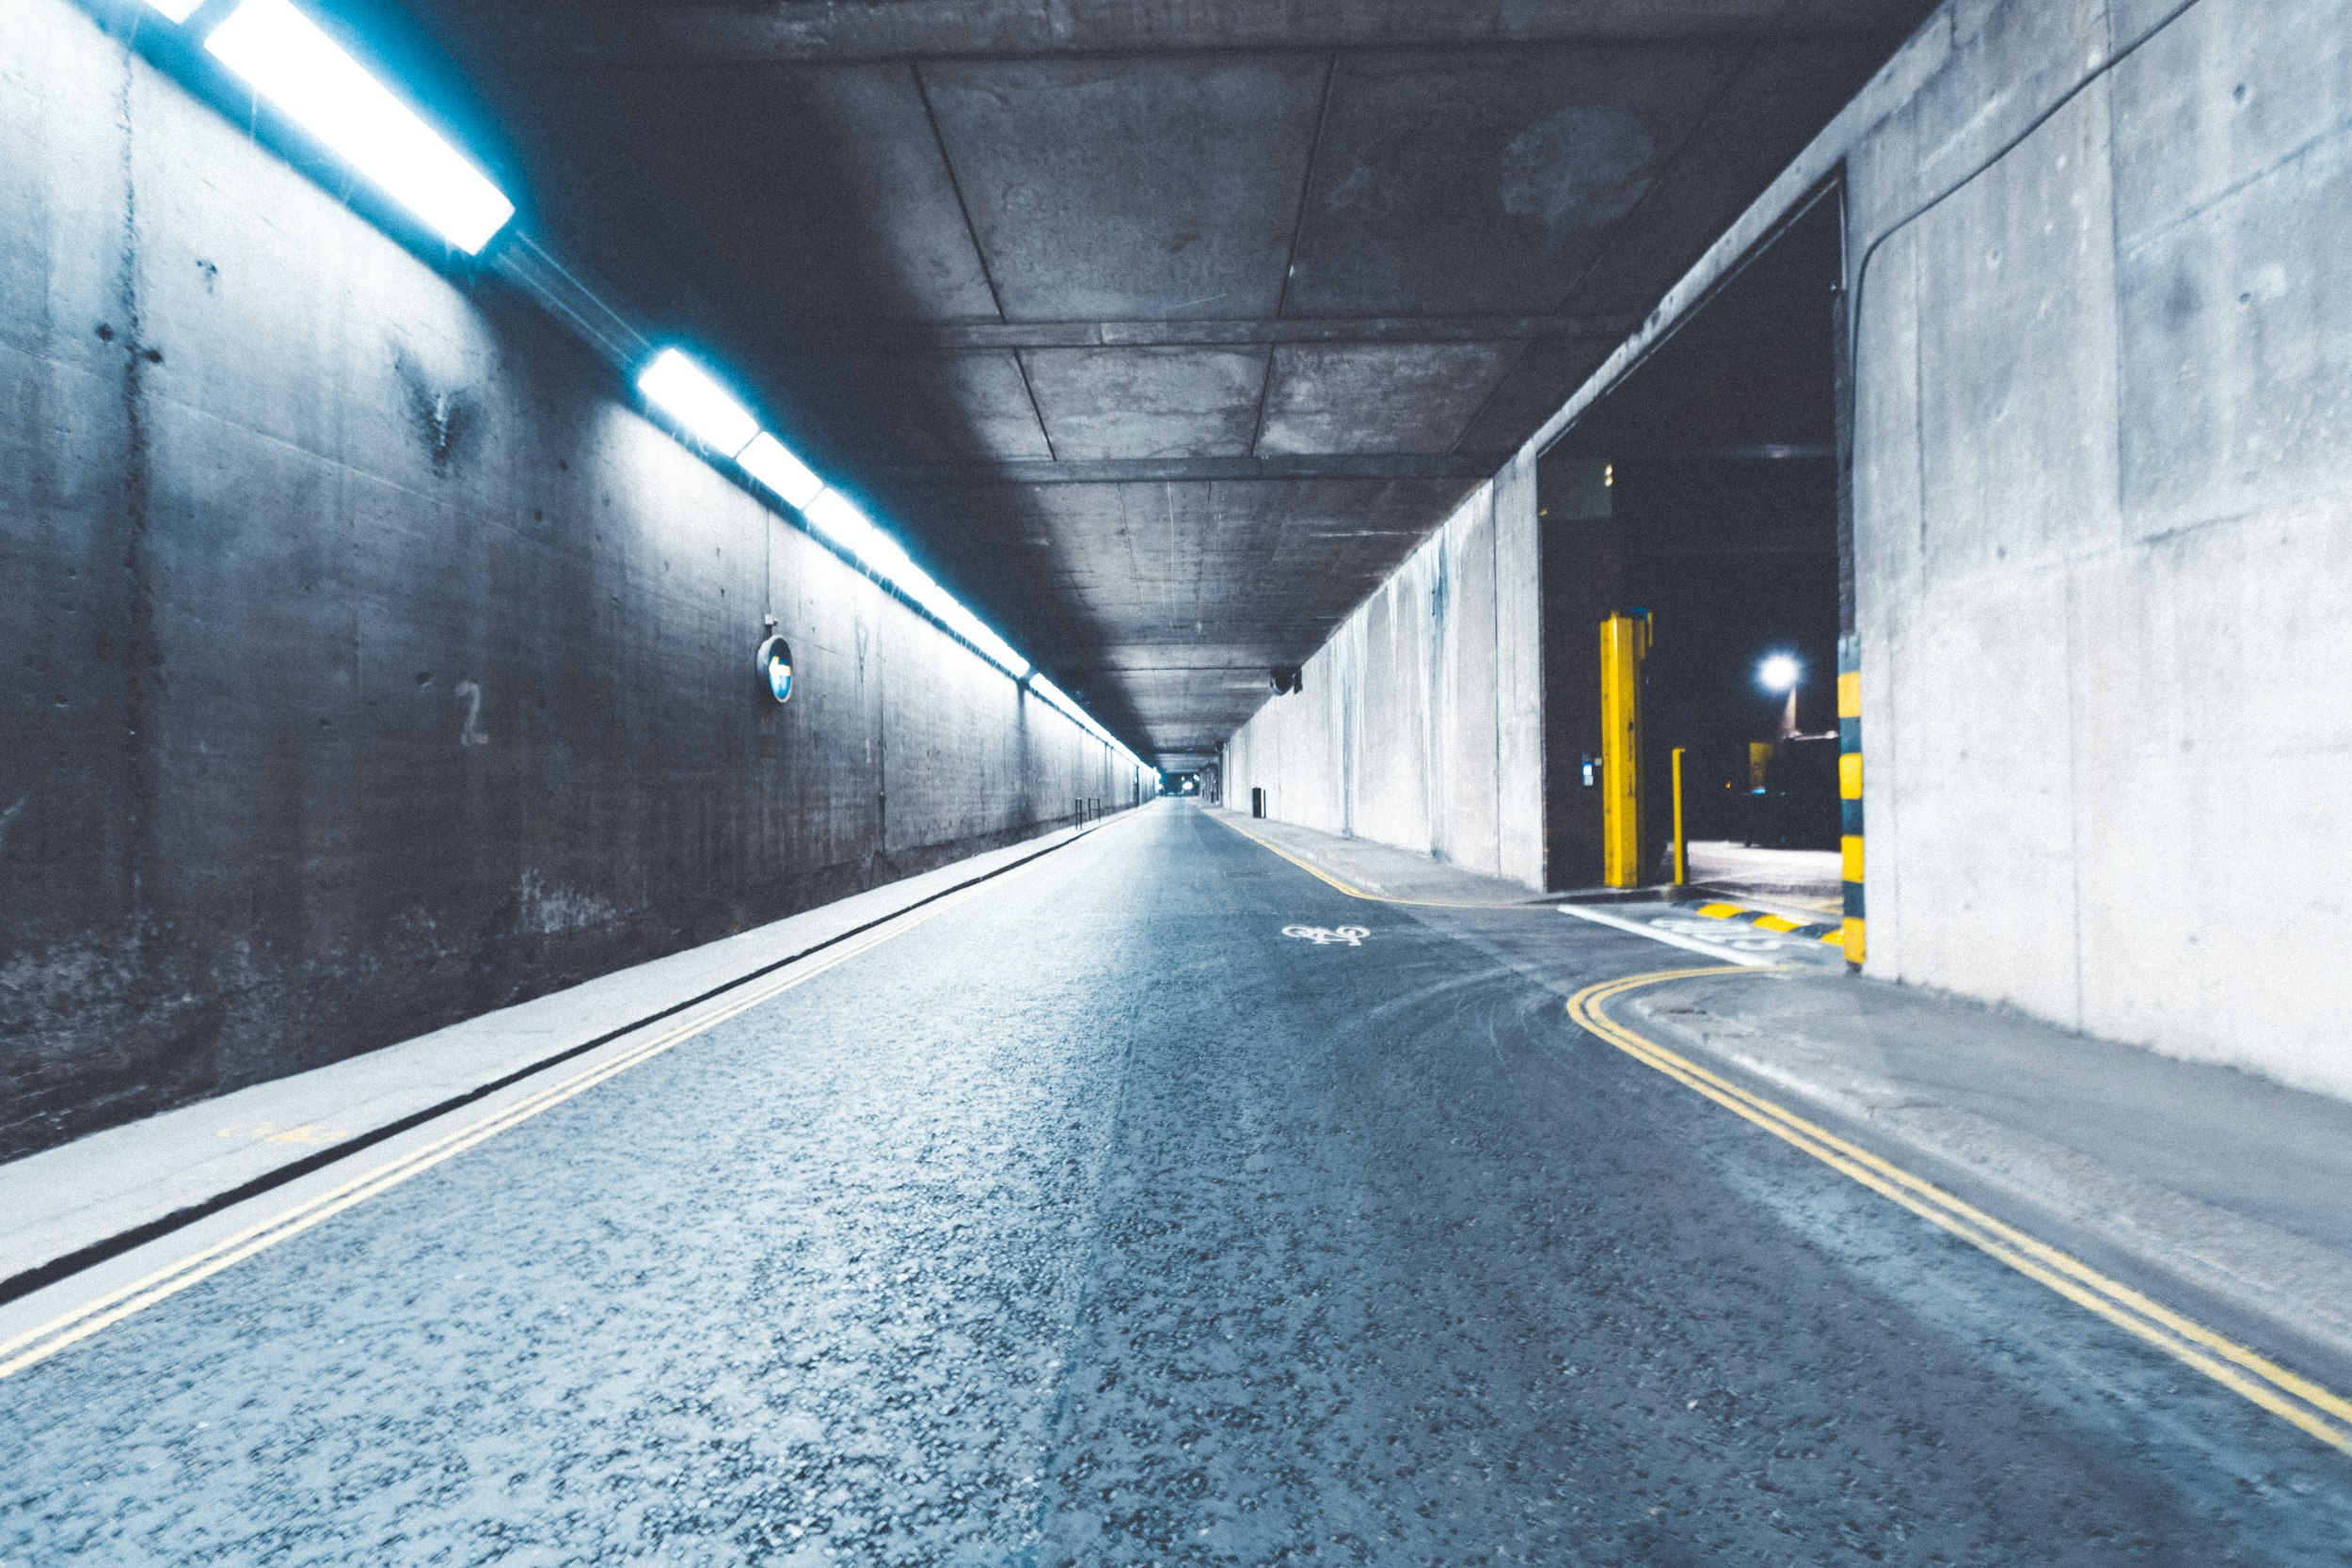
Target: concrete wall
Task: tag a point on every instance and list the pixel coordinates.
(1421, 721)
(2104, 528)
(370, 664)
(2102, 522)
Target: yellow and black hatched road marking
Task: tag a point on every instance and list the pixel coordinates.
(1764, 920)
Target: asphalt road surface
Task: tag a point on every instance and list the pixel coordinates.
(1095, 1220)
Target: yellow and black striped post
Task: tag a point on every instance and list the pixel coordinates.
(1850, 787)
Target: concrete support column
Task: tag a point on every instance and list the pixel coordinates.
(1583, 579)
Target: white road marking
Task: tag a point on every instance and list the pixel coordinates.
(1727, 953)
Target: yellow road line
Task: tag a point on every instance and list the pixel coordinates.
(39, 1344)
(2315, 1408)
(1323, 876)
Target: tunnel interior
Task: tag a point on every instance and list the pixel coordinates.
(1704, 490)
(1162, 334)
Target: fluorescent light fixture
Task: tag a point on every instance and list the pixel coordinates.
(1078, 716)
(835, 516)
(1054, 694)
(976, 631)
(175, 11)
(771, 461)
(282, 54)
(685, 392)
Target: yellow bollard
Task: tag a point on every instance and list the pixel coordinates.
(1624, 644)
(1682, 861)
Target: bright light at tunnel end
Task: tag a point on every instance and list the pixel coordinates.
(1779, 672)
(286, 59)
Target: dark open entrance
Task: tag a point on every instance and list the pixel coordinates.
(1705, 490)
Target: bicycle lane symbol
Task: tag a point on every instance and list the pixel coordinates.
(1323, 936)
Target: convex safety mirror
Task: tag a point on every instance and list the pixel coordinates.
(775, 667)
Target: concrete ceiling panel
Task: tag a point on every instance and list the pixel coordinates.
(1378, 397)
(1485, 181)
(1222, 251)
(963, 404)
(1138, 403)
(1150, 188)
(787, 193)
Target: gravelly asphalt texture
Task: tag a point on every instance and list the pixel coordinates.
(1094, 1221)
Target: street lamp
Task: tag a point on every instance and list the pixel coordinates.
(1781, 673)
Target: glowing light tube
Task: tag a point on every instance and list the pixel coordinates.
(771, 461)
(685, 392)
(836, 516)
(282, 56)
(1060, 700)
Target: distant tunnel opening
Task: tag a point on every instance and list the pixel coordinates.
(1702, 496)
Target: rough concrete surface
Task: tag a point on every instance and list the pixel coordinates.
(2100, 487)
(1421, 723)
(2100, 479)
(371, 664)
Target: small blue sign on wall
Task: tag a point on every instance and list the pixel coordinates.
(775, 667)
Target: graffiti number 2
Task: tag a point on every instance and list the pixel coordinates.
(469, 693)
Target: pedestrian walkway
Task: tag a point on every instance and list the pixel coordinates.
(70, 1206)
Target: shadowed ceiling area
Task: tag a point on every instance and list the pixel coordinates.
(1161, 331)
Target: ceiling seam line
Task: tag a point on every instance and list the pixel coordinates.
(1265, 388)
(1698, 121)
(980, 252)
(640, 62)
(1021, 362)
(1290, 252)
(1306, 184)
(955, 183)
(1453, 448)
(1254, 332)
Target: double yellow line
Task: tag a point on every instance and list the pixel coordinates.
(41, 1343)
(2317, 1410)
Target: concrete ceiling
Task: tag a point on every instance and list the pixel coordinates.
(1162, 330)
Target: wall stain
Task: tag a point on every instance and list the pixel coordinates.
(143, 666)
(442, 417)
